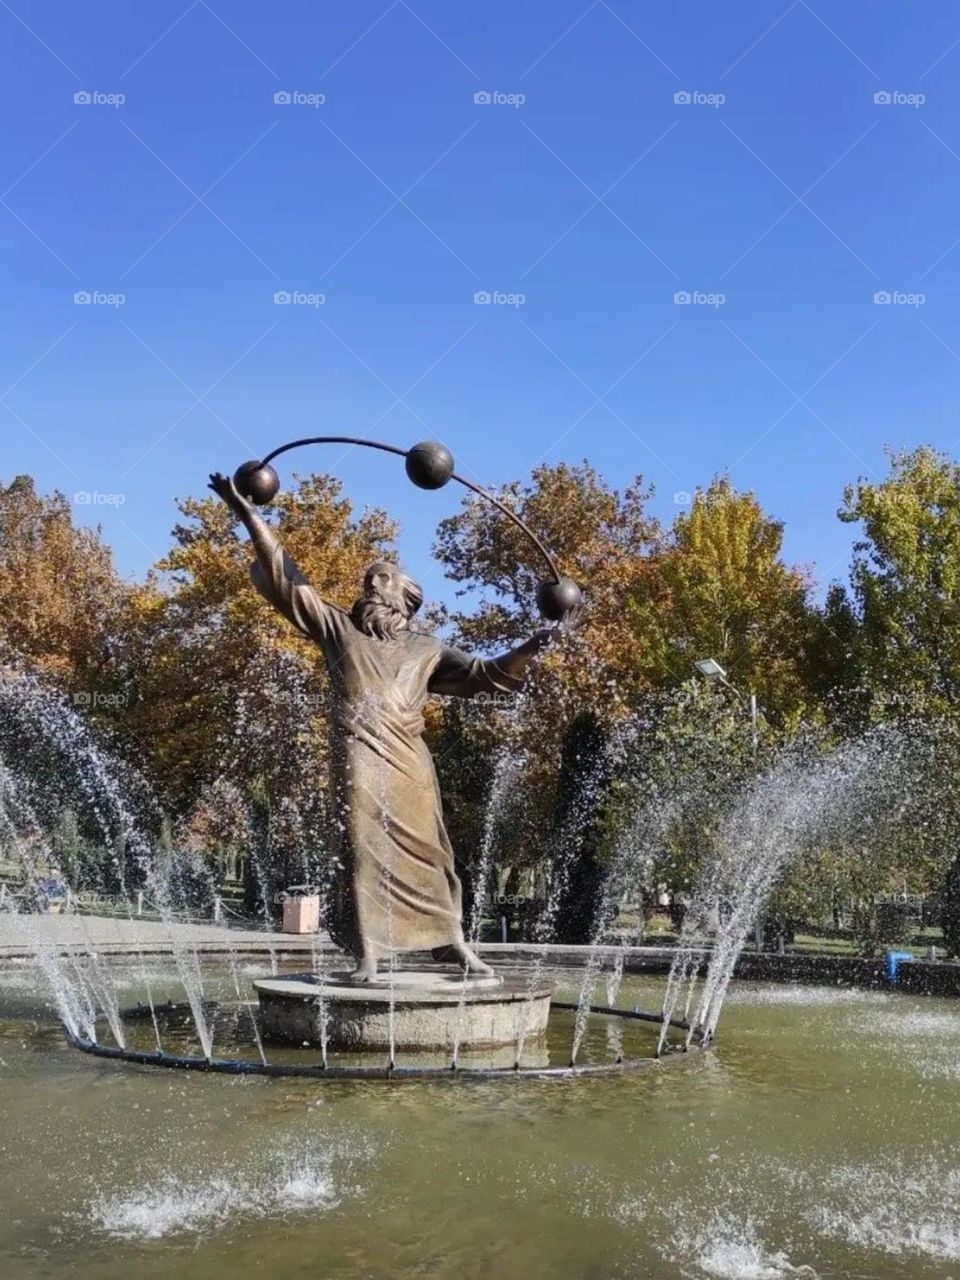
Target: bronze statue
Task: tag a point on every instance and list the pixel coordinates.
(397, 890)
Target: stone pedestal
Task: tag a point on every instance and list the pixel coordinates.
(429, 1010)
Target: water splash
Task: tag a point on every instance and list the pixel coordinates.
(177, 1206)
(627, 877)
(77, 983)
(589, 787)
(730, 1248)
(794, 806)
(67, 762)
(507, 765)
(901, 1211)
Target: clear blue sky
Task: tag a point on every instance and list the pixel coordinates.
(597, 198)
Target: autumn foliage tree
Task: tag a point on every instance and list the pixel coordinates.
(61, 600)
(602, 538)
(222, 680)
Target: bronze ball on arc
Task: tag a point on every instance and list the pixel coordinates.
(556, 599)
(429, 464)
(257, 481)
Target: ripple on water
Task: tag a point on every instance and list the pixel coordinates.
(892, 1212)
(913, 1024)
(802, 995)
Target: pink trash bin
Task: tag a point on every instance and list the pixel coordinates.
(301, 914)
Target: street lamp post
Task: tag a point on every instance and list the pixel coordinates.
(711, 670)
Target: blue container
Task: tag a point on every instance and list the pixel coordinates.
(893, 963)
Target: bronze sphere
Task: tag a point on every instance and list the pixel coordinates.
(429, 464)
(256, 481)
(556, 599)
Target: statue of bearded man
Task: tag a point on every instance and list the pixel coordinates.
(398, 890)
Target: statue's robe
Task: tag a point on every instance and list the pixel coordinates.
(397, 888)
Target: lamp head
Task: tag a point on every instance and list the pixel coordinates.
(711, 669)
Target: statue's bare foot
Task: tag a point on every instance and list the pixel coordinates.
(472, 962)
(366, 970)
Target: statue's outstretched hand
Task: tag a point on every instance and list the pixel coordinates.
(573, 618)
(569, 622)
(224, 487)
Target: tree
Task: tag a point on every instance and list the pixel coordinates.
(905, 581)
(60, 597)
(732, 598)
(222, 682)
(690, 758)
(218, 827)
(603, 539)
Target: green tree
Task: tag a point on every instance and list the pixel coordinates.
(692, 756)
(905, 584)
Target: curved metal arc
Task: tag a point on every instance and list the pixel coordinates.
(367, 444)
(512, 515)
(402, 453)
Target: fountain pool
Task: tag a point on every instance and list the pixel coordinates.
(778, 1154)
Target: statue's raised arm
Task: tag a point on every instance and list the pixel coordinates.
(276, 576)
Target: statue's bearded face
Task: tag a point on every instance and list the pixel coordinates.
(390, 599)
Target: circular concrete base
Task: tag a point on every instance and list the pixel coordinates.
(427, 1009)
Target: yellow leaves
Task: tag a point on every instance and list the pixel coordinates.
(59, 593)
(733, 598)
(206, 636)
(604, 540)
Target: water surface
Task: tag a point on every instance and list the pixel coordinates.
(820, 1138)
